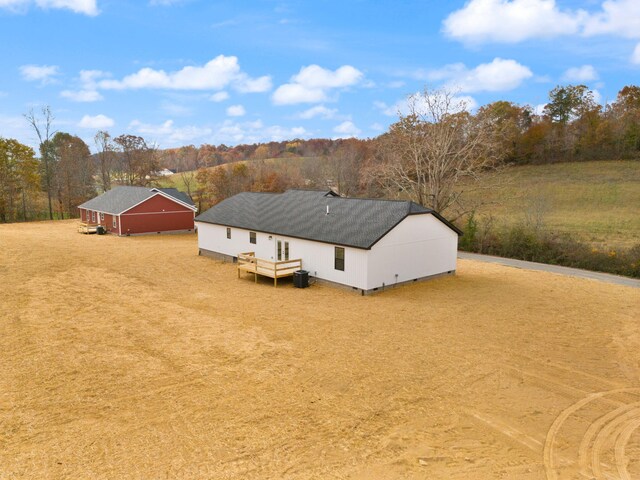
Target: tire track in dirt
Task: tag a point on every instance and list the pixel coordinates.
(621, 443)
(595, 430)
(611, 430)
(613, 423)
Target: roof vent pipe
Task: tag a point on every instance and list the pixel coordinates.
(327, 210)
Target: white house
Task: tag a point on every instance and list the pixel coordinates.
(360, 243)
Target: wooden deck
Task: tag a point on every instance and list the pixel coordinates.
(247, 262)
(87, 227)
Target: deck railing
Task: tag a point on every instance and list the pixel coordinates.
(88, 227)
(248, 262)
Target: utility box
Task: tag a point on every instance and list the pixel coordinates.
(301, 279)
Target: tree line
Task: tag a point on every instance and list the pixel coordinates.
(66, 172)
(433, 148)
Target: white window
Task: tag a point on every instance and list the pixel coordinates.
(115, 222)
(228, 233)
(93, 216)
(101, 217)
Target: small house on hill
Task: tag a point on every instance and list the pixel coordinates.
(136, 210)
(361, 243)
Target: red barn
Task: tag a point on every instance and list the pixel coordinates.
(135, 210)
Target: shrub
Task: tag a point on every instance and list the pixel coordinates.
(527, 243)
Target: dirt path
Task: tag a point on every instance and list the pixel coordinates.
(135, 358)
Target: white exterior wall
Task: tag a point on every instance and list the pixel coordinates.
(317, 257)
(419, 246)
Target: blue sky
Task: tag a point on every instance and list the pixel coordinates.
(181, 72)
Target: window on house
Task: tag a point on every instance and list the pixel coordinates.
(115, 222)
(93, 216)
(228, 232)
(252, 237)
(101, 217)
(279, 250)
(339, 258)
(286, 250)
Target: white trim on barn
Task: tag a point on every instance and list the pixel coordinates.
(159, 192)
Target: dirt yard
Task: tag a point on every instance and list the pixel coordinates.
(135, 358)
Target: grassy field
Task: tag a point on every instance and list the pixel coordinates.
(136, 358)
(598, 202)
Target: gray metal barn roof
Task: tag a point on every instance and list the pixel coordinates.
(352, 222)
(120, 199)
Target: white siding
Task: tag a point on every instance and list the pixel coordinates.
(419, 246)
(317, 257)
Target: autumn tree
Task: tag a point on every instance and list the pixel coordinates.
(344, 166)
(137, 160)
(431, 149)
(74, 173)
(624, 121)
(43, 127)
(508, 122)
(18, 177)
(224, 181)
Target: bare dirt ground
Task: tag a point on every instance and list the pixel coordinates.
(135, 358)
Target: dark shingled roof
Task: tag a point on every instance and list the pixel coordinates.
(120, 199)
(352, 222)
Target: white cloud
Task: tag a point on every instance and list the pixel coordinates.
(597, 96)
(347, 129)
(87, 91)
(219, 97)
(318, 111)
(539, 109)
(81, 95)
(315, 76)
(635, 56)
(292, 93)
(87, 7)
(512, 21)
(401, 107)
(236, 111)
(618, 17)
(97, 122)
(497, 76)
(167, 134)
(164, 3)
(585, 73)
(254, 85)
(311, 84)
(376, 127)
(216, 74)
(43, 73)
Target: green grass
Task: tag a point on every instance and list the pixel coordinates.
(598, 202)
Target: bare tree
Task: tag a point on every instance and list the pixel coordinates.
(430, 150)
(43, 128)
